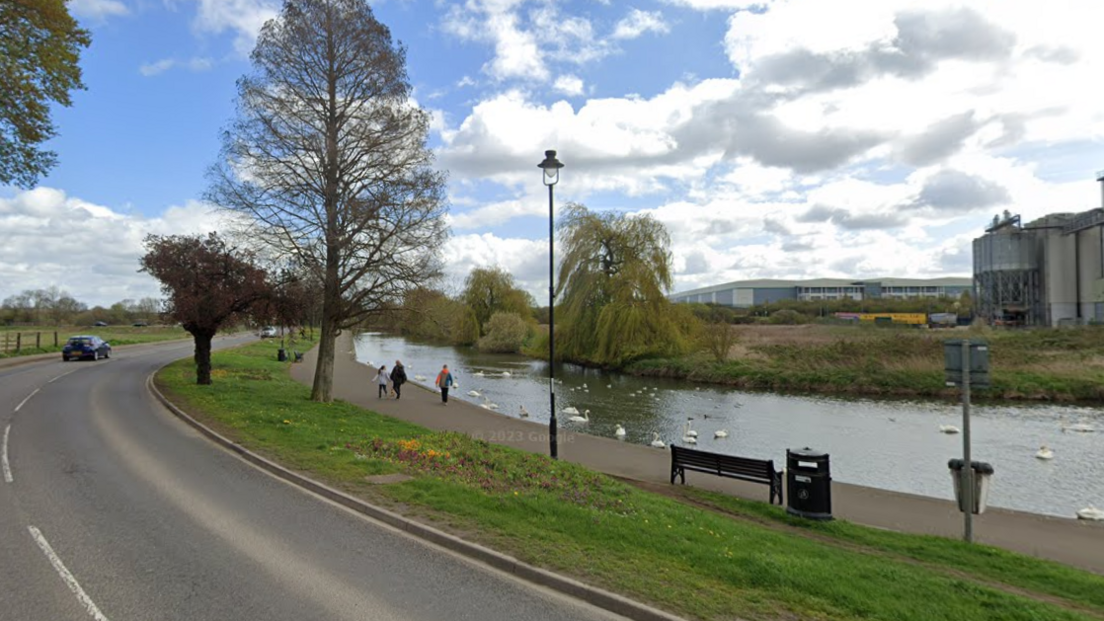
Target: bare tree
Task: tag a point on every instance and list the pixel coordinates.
(327, 156)
(206, 284)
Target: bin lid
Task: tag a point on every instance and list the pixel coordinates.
(980, 467)
(806, 453)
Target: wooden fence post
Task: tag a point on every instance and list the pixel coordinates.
(55, 338)
(18, 341)
(38, 340)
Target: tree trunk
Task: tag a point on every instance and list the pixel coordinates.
(322, 390)
(203, 356)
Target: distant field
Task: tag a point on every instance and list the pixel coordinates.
(32, 340)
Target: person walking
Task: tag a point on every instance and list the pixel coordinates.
(398, 378)
(382, 378)
(444, 382)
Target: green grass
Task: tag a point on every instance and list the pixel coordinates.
(737, 559)
(115, 335)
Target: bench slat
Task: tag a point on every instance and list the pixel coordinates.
(730, 466)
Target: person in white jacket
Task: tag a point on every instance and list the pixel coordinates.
(382, 378)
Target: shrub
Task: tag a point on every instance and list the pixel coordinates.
(506, 333)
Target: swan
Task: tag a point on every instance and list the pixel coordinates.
(585, 418)
(478, 374)
(419, 378)
(524, 412)
(609, 385)
(472, 393)
(584, 386)
(619, 432)
(1044, 453)
(686, 437)
(720, 433)
(570, 410)
(948, 429)
(505, 374)
(656, 442)
(1090, 513)
(690, 433)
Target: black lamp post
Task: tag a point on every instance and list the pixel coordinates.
(551, 167)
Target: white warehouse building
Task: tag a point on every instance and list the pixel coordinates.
(747, 293)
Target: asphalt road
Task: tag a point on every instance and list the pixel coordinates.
(111, 508)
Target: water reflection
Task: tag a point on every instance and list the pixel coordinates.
(893, 445)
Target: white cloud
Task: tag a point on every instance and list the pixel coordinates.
(89, 250)
(245, 17)
(97, 9)
(165, 64)
(569, 85)
(526, 260)
(638, 22)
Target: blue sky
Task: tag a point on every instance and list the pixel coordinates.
(780, 138)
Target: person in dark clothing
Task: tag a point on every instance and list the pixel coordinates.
(398, 378)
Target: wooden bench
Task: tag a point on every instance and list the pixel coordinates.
(742, 468)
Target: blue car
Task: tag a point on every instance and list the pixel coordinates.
(85, 346)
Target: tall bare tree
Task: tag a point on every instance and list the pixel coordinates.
(328, 157)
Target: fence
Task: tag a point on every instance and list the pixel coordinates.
(19, 341)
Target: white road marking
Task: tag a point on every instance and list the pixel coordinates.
(72, 583)
(60, 376)
(4, 456)
(21, 403)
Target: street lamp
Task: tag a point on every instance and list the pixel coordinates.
(551, 167)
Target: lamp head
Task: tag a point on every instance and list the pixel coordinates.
(551, 167)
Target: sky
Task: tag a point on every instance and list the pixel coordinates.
(774, 139)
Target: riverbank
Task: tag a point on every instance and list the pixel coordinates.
(735, 559)
(1058, 365)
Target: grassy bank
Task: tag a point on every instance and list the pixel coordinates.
(702, 556)
(1045, 364)
(44, 337)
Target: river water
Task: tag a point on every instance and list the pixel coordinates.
(893, 445)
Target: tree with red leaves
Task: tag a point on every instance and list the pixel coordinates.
(207, 284)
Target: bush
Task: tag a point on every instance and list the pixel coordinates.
(506, 333)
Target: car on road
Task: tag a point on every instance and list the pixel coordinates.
(85, 346)
(268, 332)
(100, 324)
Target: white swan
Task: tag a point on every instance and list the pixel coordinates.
(472, 393)
(656, 442)
(1081, 428)
(584, 386)
(524, 412)
(619, 432)
(1090, 513)
(478, 374)
(948, 429)
(1044, 453)
(505, 374)
(690, 433)
(585, 418)
(419, 378)
(570, 410)
(720, 433)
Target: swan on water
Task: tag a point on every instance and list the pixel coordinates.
(1090, 513)
(620, 431)
(478, 374)
(948, 429)
(505, 374)
(570, 410)
(690, 433)
(585, 418)
(656, 442)
(419, 378)
(720, 433)
(524, 412)
(1044, 453)
(472, 393)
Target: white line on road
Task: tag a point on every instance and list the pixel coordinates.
(4, 456)
(74, 586)
(60, 376)
(27, 399)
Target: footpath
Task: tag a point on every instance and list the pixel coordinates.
(1070, 541)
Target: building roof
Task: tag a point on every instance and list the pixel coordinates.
(767, 283)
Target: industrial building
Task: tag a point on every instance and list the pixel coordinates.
(1048, 272)
(747, 293)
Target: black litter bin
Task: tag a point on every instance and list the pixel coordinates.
(808, 484)
(282, 355)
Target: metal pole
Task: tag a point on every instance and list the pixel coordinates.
(968, 483)
(552, 448)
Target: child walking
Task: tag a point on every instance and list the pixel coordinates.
(382, 378)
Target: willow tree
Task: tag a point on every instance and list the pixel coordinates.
(327, 157)
(614, 275)
(490, 290)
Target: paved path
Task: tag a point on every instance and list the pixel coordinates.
(1070, 541)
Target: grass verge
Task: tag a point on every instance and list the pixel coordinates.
(44, 340)
(703, 557)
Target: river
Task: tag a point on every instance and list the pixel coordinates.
(894, 445)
